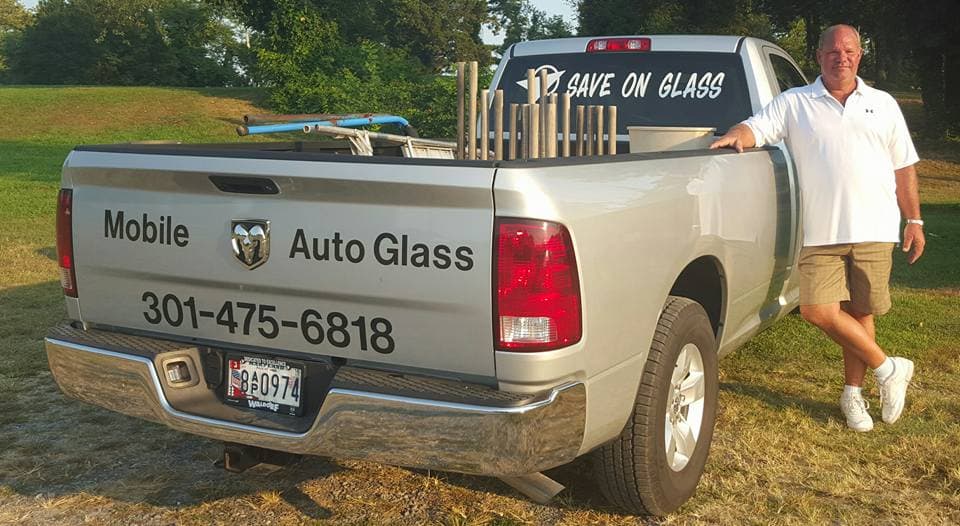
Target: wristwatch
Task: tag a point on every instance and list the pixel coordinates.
(915, 222)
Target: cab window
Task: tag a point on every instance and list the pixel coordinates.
(787, 75)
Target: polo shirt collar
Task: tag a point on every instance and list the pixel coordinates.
(819, 90)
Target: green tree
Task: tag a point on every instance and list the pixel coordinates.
(125, 42)
(200, 48)
(435, 32)
(308, 66)
(543, 26)
(627, 17)
(59, 48)
(14, 18)
(794, 41)
(519, 21)
(353, 56)
(934, 42)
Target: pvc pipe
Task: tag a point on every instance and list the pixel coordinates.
(351, 132)
(565, 118)
(531, 95)
(612, 130)
(525, 124)
(472, 105)
(484, 134)
(512, 150)
(588, 141)
(498, 124)
(551, 132)
(600, 130)
(343, 123)
(580, 129)
(535, 115)
(272, 118)
(461, 94)
(544, 102)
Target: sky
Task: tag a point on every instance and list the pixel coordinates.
(551, 7)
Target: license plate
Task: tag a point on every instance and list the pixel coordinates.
(266, 384)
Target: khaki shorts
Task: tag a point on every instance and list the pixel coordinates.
(857, 272)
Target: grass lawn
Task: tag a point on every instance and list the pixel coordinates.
(781, 453)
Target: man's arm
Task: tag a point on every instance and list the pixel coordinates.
(738, 138)
(908, 198)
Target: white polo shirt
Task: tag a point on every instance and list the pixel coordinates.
(845, 158)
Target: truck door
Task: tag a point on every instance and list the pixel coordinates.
(784, 75)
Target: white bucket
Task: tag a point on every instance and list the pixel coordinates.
(666, 138)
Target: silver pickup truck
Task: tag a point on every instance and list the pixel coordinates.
(496, 318)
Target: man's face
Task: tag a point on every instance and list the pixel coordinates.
(839, 57)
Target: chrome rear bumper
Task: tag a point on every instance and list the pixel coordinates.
(400, 430)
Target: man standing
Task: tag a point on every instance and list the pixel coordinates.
(854, 160)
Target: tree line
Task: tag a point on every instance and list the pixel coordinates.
(388, 55)
(908, 44)
(119, 42)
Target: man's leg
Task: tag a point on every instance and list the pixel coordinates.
(855, 334)
(823, 289)
(844, 329)
(869, 276)
(855, 369)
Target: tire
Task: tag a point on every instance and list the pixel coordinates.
(634, 471)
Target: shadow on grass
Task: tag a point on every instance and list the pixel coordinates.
(779, 401)
(47, 252)
(31, 161)
(580, 492)
(28, 312)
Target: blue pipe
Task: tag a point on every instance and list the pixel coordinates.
(349, 122)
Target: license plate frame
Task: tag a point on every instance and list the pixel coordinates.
(267, 367)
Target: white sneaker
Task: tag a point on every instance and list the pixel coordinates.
(893, 392)
(854, 407)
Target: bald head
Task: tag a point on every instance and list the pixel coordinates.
(831, 33)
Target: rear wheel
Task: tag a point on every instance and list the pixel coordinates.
(654, 466)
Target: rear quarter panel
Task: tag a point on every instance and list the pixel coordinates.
(636, 221)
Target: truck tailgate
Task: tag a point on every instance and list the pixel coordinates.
(385, 262)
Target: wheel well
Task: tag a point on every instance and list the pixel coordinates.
(703, 281)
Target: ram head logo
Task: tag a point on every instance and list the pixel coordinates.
(251, 241)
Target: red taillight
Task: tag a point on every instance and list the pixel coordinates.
(537, 305)
(68, 278)
(618, 44)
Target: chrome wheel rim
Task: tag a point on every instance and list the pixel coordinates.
(685, 404)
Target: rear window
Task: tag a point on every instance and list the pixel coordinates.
(649, 89)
